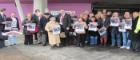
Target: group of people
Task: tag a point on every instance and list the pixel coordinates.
(8, 24)
(105, 28)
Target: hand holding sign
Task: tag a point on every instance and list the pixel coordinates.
(93, 27)
(56, 30)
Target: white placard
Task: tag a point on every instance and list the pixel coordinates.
(128, 24)
(56, 30)
(114, 23)
(102, 31)
(93, 26)
(8, 25)
(31, 26)
(122, 27)
(79, 28)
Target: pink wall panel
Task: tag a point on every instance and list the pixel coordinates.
(78, 7)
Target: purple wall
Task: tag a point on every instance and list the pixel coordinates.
(12, 8)
(78, 7)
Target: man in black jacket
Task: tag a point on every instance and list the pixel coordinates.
(44, 34)
(65, 21)
(2, 19)
(135, 36)
(36, 20)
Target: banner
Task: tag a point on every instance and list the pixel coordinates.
(93, 26)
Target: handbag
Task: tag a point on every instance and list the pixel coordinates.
(36, 29)
(62, 35)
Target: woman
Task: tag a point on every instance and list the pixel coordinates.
(28, 34)
(103, 27)
(114, 23)
(127, 26)
(80, 29)
(93, 31)
(53, 29)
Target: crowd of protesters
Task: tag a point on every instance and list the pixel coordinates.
(103, 28)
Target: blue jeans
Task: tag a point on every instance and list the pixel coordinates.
(12, 39)
(93, 40)
(115, 37)
(126, 40)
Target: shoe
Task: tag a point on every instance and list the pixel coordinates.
(122, 47)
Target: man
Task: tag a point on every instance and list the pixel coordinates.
(132, 34)
(64, 20)
(2, 26)
(136, 32)
(36, 20)
(43, 33)
(2, 19)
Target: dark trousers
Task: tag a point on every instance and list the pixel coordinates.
(28, 40)
(2, 44)
(81, 40)
(35, 34)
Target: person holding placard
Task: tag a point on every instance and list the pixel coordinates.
(127, 26)
(14, 27)
(93, 31)
(114, 23)
(103, 26)
(80, 27)
(28, 26)
(53, 29)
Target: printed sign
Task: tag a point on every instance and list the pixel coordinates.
(102, 31)
(31, 26)
(56, 30)
(8, 25)
(93, 26)
(79, 28)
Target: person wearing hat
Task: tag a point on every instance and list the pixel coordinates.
(53, 28)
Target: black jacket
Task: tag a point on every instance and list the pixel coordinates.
(43, 23)
(66, 20)
(2, 19)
